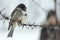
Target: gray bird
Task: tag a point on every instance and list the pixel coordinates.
(18, 16)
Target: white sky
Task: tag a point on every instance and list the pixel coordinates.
(35, 15)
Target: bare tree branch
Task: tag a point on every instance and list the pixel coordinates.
(4, 16)
(2, 10)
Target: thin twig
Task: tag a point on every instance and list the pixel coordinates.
(2, 10)
(4, 16)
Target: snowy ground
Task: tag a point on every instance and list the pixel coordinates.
(35, 15)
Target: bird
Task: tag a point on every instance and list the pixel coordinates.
(18, 16)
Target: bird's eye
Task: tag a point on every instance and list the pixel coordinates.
(25, 8)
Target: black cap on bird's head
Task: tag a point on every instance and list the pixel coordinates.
(22, 6)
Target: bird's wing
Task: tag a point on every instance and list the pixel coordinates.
(13, 17)
(15, 12)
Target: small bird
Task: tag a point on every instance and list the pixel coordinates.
(18, 16)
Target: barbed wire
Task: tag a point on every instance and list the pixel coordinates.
(56, 27)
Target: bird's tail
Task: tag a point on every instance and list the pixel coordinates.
(9, 27)
(10, 24)
(12, 29)
(10, 33)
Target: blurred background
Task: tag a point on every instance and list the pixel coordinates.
(35, 15)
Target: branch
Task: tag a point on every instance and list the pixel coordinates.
(56, 27)
(2, 10)
(4, 16)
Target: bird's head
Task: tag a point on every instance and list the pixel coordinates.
(22, 6)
